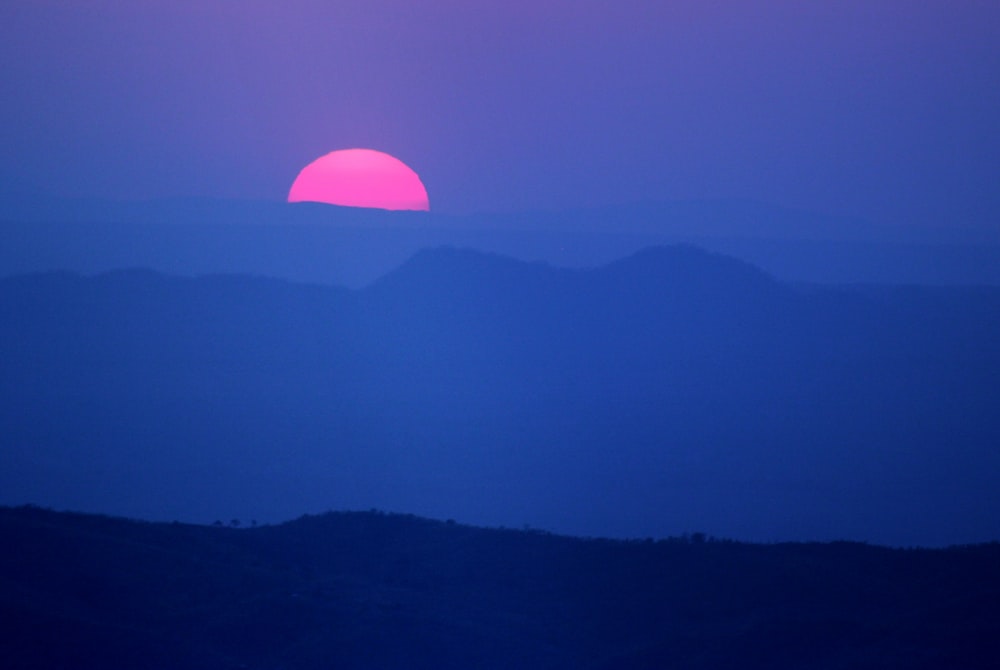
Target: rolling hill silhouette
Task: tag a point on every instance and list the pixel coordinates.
(673, 390)
(370, 590)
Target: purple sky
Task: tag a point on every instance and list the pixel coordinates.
(887, 110)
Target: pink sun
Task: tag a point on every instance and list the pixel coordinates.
(360, 178)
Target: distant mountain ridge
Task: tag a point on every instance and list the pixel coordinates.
(672, 390)
(348, 246)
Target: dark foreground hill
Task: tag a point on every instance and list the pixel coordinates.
(369, 590)
(671, 391)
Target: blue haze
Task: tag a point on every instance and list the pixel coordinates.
(673, 390)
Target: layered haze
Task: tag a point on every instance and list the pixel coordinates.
(671, 391)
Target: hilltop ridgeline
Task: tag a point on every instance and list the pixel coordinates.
(370, 590)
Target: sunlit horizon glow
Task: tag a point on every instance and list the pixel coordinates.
(360, 178)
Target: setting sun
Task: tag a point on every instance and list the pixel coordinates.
(360, 178)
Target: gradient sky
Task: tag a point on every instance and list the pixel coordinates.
(886, 110)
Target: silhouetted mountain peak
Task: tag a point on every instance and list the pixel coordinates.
(688, 265)
(459, 259)
(450, 271)
(680, 265)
